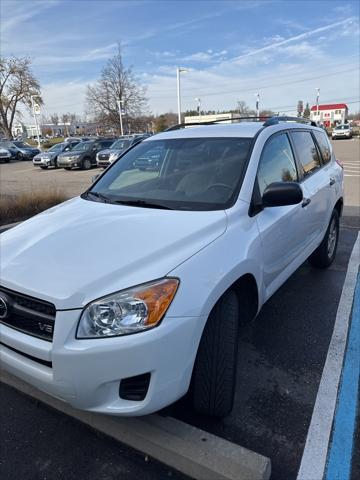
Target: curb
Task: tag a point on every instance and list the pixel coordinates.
(192, 451)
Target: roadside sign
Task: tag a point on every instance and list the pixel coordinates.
(36, 109)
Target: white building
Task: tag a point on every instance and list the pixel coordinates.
(329, 115)
(211, 118)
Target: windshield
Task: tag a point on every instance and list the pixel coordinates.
(342, 127)
(6, 143)
(57, 147)
(22, 144)
(82, 146)
(183, 174)
(120, 144)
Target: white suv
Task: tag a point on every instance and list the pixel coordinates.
(118, 300)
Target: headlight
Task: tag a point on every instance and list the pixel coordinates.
(129, 311)
(113, 156)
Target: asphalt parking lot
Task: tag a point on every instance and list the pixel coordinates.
(281, 360)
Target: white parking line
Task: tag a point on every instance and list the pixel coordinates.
(314, 457)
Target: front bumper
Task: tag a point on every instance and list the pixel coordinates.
(103, 163)
(69, 163)
(87, 373)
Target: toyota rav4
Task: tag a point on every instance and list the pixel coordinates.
(190, 250)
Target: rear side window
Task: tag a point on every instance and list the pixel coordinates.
(277, 163)
(306, 151)
(324, 146)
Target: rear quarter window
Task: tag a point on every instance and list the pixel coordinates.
(307, 152)
(324, 146)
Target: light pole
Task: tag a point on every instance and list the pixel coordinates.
(257, 104)
(317, 103)
(198, 107)
(119, 102)
(35, 120)
(178, 71)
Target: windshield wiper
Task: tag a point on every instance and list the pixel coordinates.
(99, 195)
(142, 203)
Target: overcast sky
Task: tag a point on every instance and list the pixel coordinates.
(233, 49)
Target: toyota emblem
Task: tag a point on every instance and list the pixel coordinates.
(3, 308)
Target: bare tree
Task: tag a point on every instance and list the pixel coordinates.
(17, 85)
(116, 83)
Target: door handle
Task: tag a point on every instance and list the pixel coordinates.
(305, 202)
(332, 181)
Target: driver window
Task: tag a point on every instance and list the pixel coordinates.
(277, 163)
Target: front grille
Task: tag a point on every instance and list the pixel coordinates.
(27, 314)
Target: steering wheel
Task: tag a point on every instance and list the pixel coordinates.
(219, 185)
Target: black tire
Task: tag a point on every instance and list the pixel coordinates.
(44, 167)
(67, 168)
(55, 164)
(324, 255)
(214, 375)
(86, 164)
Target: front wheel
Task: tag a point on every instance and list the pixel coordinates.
(67, 168)
(324, 255)
(86, 164)
(214, 375)
(43, 167)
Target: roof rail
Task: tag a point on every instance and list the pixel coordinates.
(213, 122)
(277, 119)
(274, 120)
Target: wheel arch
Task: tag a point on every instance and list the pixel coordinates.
(339, 206)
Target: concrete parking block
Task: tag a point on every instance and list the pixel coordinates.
(187, 449)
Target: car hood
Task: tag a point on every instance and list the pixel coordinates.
(81, 250)
(109, 151)
(71, 154)
(46, 155)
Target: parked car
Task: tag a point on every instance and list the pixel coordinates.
(105, 157)
(10, 147)
(19, 149)
(342, 131)
(152, 160)
(83, 155)
(5, 155)
(79, 139)
(49, 158)
(192, 251)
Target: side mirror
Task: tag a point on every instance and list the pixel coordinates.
(94, 178)
(280, 194)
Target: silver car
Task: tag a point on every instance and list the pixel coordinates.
(50, 158)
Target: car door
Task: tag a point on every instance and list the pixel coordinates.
(281, 229)
(315, 183)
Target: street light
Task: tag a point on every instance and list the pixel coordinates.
(198, 107)
(178, 71)
(257, 104)
(317, 103)
(34, 115)
(119, 102)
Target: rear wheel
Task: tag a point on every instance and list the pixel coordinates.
(67, 168)
(214, 375)
(325, 253)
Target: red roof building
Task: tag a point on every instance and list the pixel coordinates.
(329, 115)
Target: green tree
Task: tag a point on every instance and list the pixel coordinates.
(306, 113)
